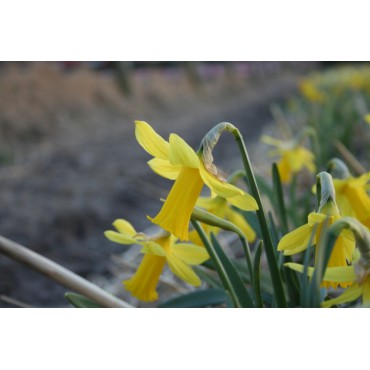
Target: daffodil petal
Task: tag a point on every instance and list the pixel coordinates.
(236, 218)
(124, 227)
(195, 238)
(301, 157)
(245, 202)
(367, 118)
(151, 247)
(120, 238)
(271, 141)
(221, 188)
(299, 268)
(164, 168)
(337, 274)
(182, 270)
(285, 171)
(209, 203)
(154, 144)
(296, 240)
(191, 254)
(349, 295)
(366, 291)
(315, 218)
(181, 153)
(340, 274)
(344, 204)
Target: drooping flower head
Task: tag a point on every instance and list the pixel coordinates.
(176, 160)
(158, 250)
(293, 156)
(351, 192)
(298, 240)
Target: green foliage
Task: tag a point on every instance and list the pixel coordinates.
(80, 301)
(197, 299)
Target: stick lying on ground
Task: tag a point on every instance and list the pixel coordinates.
(60, 274)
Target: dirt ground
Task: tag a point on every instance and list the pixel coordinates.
(70, 164)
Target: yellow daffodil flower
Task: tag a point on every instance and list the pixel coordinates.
(352, 197)
(354, 276)
(356, 290)
(220, 207)
(367, 118)
(176, 160)
(311, 92)
(346, 276)
(359, 288)
(298, 240)
(158, 251)
(294, 157)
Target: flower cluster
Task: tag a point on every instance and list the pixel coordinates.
(176, 160)
(344, 200)
(343, 213)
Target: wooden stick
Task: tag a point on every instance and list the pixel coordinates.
(14, 302)
(60, 274)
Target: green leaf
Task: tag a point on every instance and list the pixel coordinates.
(264, 279)
(239, 290)
(256, 272)
(252, 219)
(304, 279)
(229, 277)
(265, 188)
(196, 299)
(80, 301)
(210, 219)
(274, 234)
(278, 191)
(208, 276)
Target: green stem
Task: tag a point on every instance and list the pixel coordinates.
(270, 253)
(278, 190)
(248, 258)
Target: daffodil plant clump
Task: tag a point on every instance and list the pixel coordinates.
(300, 244)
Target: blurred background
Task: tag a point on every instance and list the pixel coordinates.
(70, 164)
